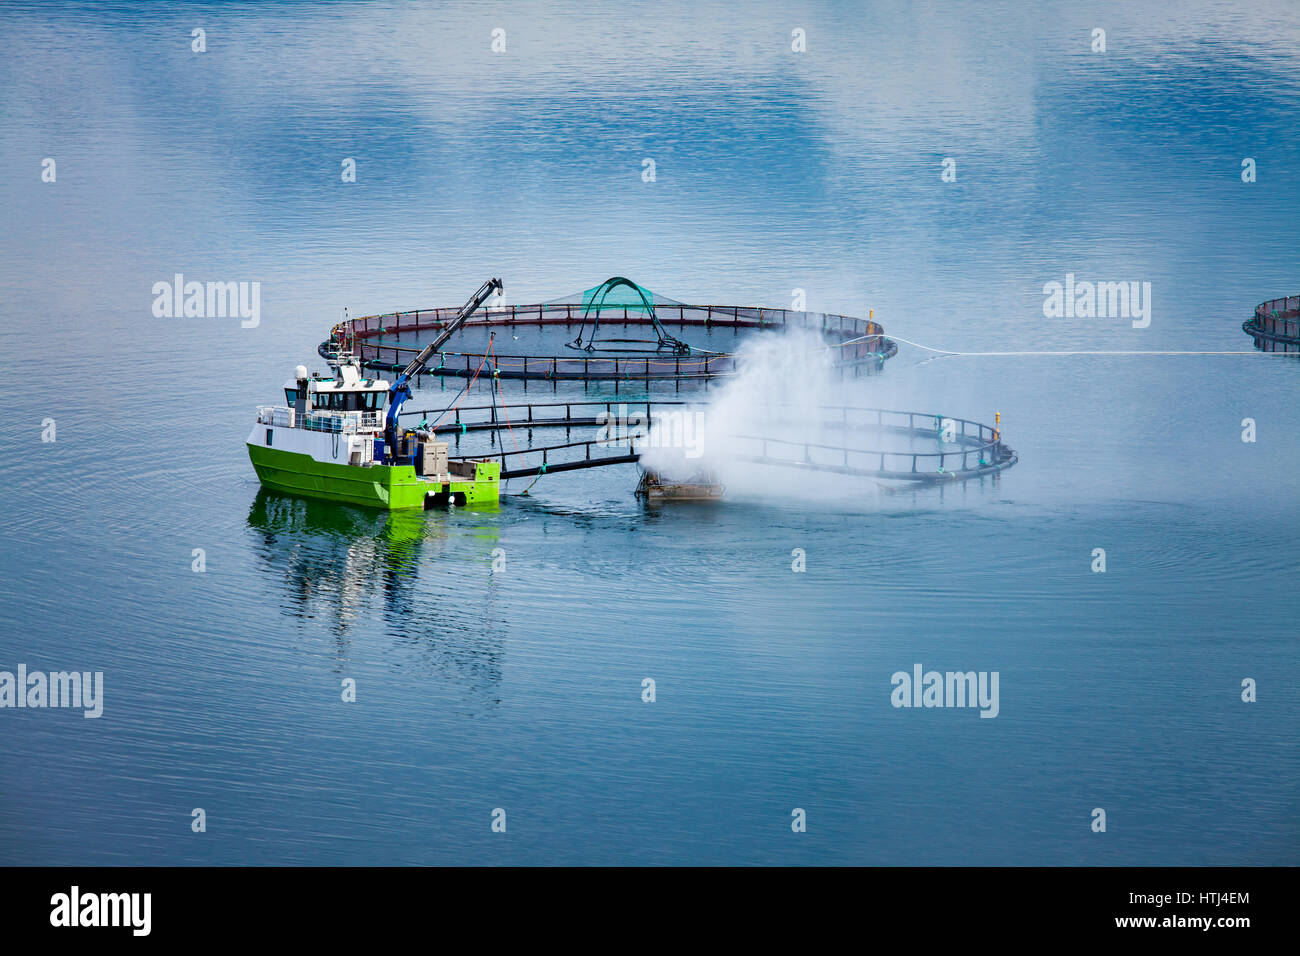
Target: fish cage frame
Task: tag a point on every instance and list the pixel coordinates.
(862, 342)
(1275, 326)
(981, 451)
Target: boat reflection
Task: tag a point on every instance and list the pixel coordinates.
(421, 579)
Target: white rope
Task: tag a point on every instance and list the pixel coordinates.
(896, 338)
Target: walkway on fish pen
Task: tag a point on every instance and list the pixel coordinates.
(860, 346)
(977, 449)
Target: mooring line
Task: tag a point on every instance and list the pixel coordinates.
(941, 352)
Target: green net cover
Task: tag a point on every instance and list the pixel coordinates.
(613, 295)
(621, 294)
(619, 297)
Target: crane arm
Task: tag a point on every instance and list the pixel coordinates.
(468, 309)
(400, 390)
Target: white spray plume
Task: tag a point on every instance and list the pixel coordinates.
(782, 390)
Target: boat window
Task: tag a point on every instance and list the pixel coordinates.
(290, 396)
(363, 401)
(359, 401)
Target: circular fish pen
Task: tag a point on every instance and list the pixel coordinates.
(1275, 326)
(886, 445)
(621, 333)
(615, 332)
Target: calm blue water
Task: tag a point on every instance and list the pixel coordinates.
(522, 689)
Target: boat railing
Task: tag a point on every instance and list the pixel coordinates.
(318, 421)
(346, 422)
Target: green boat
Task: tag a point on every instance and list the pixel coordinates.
(334, 439)
(328, 442)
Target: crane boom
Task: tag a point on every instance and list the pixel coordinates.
(468, 309)
(401, 389)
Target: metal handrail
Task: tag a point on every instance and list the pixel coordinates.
(609, 405)
(380, 324)
(317, 420)
(1275, 322)
(981, 449)
(853, 333)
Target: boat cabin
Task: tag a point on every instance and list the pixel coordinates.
(346, 391)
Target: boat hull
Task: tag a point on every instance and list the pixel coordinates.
(390, 487)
